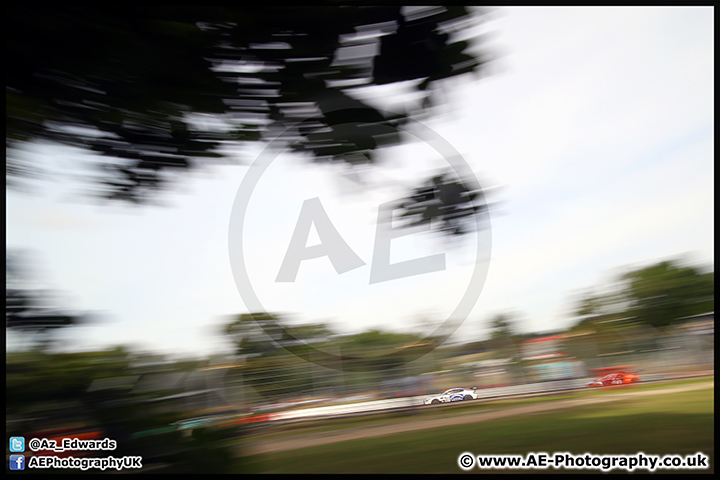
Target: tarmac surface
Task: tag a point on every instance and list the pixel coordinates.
(260, 445)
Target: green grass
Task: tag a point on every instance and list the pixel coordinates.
(675, 423)
(453, 410)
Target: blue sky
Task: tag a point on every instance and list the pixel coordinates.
(595, 132)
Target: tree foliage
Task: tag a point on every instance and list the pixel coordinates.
(502, 327)
(280, 359)
(30, 308)
(656, 296)
(155, 90)
(95, 391)
(668, 291)
(264, 334)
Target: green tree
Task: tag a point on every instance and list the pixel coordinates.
(505, 341)
(503, 327)
(504, 337)
(96, 390)
(277, 356)
(264, 334)
(665, 292)
(602, 313)
(631, 315)
(35, 378)
(604, 325)
(281, 359)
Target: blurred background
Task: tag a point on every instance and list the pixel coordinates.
(549, 155)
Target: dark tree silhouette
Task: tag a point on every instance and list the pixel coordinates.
(139, 85)
(28, 309)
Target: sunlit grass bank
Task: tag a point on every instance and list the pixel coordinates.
(671, 423)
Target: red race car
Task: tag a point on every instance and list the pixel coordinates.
(618, 378)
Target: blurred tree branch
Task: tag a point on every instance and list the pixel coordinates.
(162, 89)
(27, 307)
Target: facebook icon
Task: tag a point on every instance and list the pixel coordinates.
(17, 462)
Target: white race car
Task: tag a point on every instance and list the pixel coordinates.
(453, 395)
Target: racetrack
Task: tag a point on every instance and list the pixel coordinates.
(268, 445)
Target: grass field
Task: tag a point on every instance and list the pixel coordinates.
(453, 410)
(669, 423)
